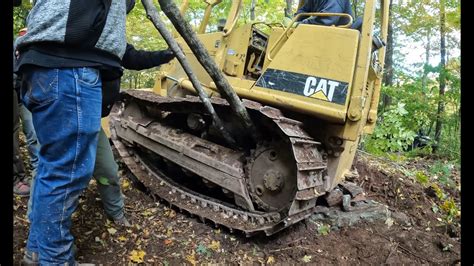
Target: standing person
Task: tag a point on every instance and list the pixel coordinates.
(325, 6)
(27, 125)
(106, 169)
(28, 129)
(21, 185)
(69, 49)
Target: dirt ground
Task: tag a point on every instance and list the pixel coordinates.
(160, 235)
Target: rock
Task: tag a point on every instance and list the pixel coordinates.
(334, 197)
(351, 188)
(369, 211)
(400, 218)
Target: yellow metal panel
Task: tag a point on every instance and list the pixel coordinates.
(236, 51)
(322, 51)
(319, 52)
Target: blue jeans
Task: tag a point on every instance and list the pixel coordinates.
(66, 107)
(108, 182)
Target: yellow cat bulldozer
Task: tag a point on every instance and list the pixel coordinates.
(311, 92)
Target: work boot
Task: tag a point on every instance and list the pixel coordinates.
(122, 221)
(31, 258)
(22, 189)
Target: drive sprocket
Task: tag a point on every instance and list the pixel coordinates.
(271, 176)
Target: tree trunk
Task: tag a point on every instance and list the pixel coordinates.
(388, 64)
(427, 60)
(388, 75)
(289, 9)
(442, 75)
(252, 10)
(202, 55)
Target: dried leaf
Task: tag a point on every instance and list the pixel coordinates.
(112, 231)
(125, 184)
(171, 214)
(168, 242)
(389, 222)
(169, 232)
(270, 260)
(146, 213)
(307, 258)
(137, 256)
(191, 258)
(215, 245)
(122, 238)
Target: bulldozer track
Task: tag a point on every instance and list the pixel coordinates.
(310, 164)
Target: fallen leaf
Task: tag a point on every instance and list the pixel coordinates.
(137, 256)
(215, 245)
(168, 242)
(191, 258)
(389, 222)
(169, 232)
(307, 258)
(125, 184)
(122, 238)
(270, 260)
(112, 231)
(146, 213)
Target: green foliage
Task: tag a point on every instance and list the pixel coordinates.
(324, 229)
(419, 152)
(19, 16)
(442, 171)
(438, 191)
(393, 133)
(450, 210)
(422, 178)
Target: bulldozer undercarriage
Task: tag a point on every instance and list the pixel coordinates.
(170, 145)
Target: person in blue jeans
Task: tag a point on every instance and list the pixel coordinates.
(70, 48)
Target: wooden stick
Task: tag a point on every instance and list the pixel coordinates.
(188, 34)
(154, 16)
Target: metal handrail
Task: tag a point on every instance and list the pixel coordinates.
(285, 33)
(227, 31)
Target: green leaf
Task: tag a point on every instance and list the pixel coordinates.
(306, 258)
(103, 181)
(323, 229)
